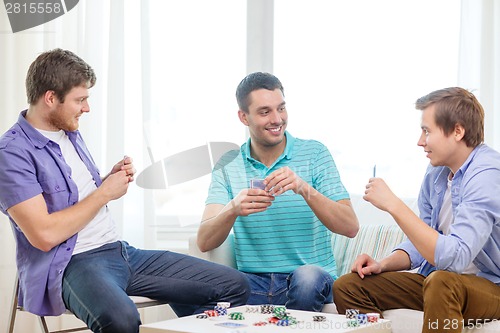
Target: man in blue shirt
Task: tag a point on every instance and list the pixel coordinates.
(283, 197)
(69, 254)
(455, 242)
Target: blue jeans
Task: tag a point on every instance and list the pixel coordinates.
(96, 285)
(306, 288)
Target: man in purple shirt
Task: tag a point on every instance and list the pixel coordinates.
(69, 254)
(455, 242)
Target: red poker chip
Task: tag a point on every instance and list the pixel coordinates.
(260, 323)
(211, 313)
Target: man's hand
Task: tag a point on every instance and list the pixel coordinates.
(284, 179)
(380, 195)
(366, 265)
(115, 185)
(250, 201)
(126, 164)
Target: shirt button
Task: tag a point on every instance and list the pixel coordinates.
(68, 249)
(57, 188)
(59, 271)
(13, 132)
(69, 176)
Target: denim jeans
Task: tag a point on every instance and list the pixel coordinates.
(306, 288)
(96, 285)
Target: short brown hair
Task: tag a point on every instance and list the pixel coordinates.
(57, 70)
(454, 106)
(255, 81)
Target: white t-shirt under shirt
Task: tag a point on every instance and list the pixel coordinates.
(446, 220)
(101, 230)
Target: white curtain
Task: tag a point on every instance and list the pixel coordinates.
(94, 30)
(479, 60)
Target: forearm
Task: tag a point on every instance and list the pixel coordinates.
(422, 236)
(338, 217)
(396, 261)
(217, 221)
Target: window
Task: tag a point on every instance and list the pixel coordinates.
(196, 59)
(352, 71)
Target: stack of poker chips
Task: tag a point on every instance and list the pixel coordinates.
(211, 313)
(252, 308)
(352, 316)
(221, 308)
(373, 317)
(280, 312)
(287, 322)
(362, 318)
(236, 316)
(351, 313)
(319, 318)
(266, 308)
(355, 318)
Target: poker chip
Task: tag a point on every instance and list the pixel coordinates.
(286, 322)
(272, 320)
(226, 305)
(252, 308)
(352, 322)
(236, 316)
(202, 316)
(211, 313)
(319, 318)
(351, 313)
(362, 318)
(260, 323)
(373, 317)
(267, 308)
(221, 311)
(280, 312)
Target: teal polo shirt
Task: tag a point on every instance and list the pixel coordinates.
(288, 234)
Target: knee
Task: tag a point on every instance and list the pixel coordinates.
(127, 320)
(310, 275)
(239, 287)
(440, 282)
(346, 282)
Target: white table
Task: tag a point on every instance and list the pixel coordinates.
(334, 324)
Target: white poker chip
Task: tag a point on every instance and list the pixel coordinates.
(224, 304)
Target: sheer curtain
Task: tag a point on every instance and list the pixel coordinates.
(479, 60)
(94, 31)
(116, 38)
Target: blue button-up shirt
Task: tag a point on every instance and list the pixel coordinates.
(31, 164)
(475, 233)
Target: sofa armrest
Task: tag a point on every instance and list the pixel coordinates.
(224, 254)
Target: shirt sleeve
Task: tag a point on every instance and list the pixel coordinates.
(474, 219)
(17, 176)
(326, 177)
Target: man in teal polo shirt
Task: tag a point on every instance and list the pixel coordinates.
(283, 229)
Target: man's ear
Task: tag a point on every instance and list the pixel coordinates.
(50, 98)
(243, 117)
(459, 132)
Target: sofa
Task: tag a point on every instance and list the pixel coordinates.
(377, 236)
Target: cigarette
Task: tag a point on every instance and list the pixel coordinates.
(374, 171)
